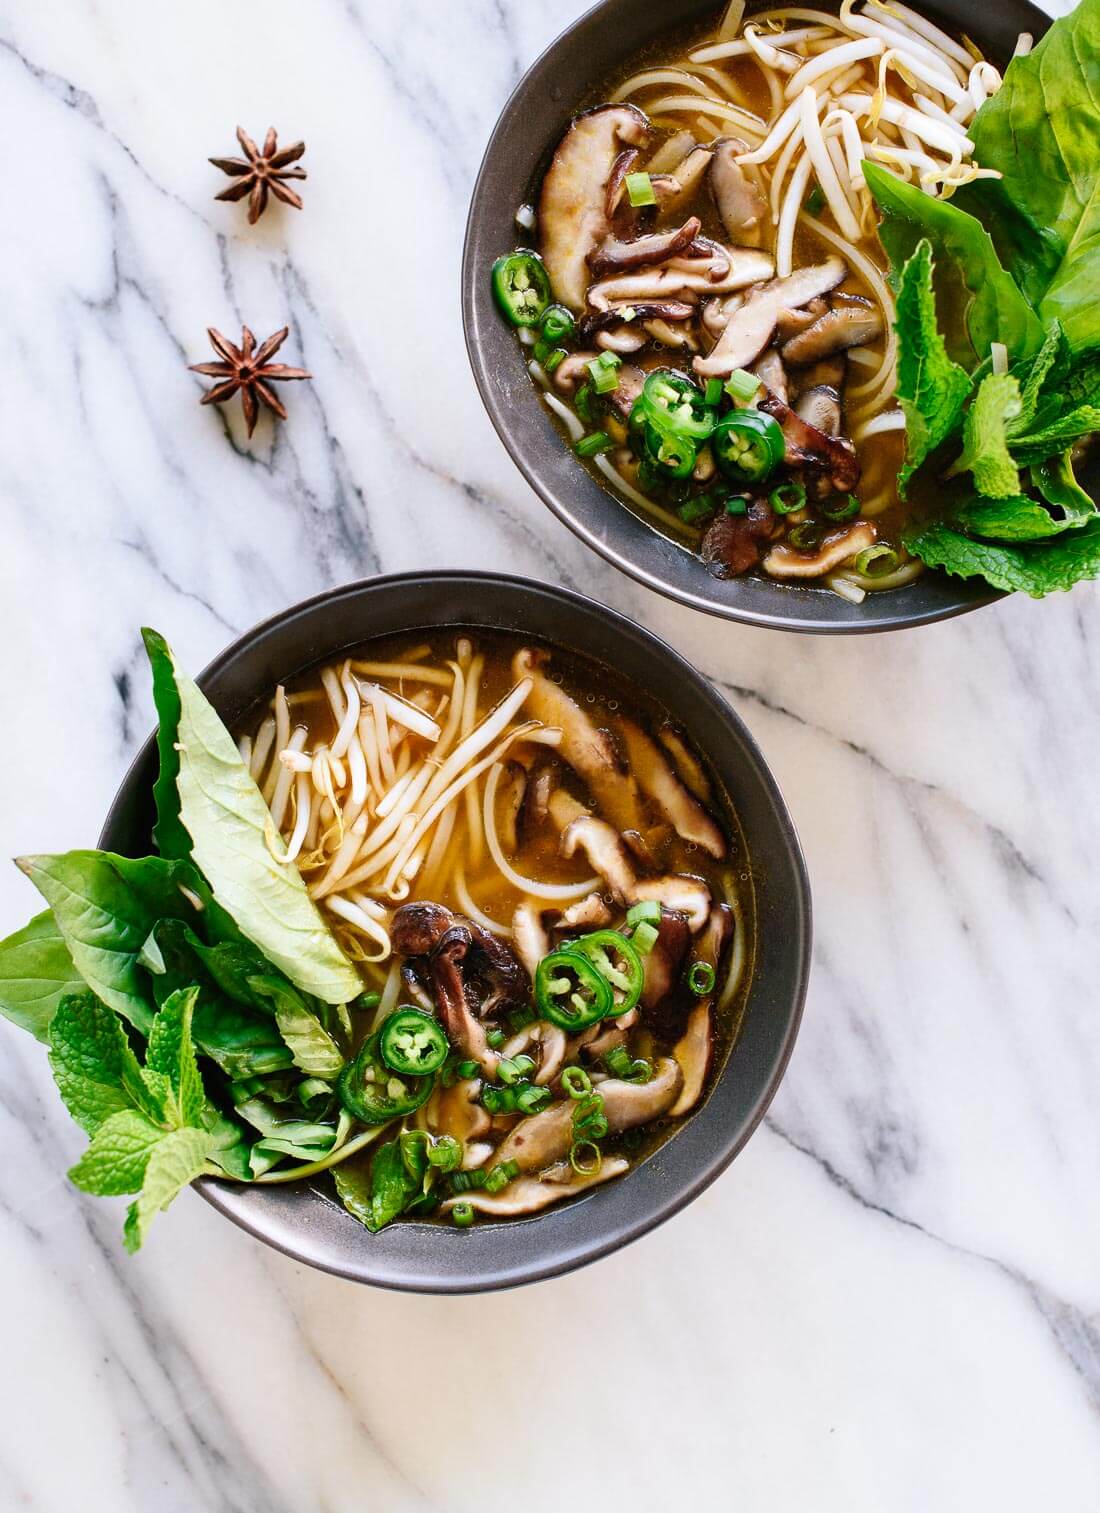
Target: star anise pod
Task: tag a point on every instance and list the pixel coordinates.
(248, 369)
(263, 171)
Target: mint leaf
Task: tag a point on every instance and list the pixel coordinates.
(105, 907)
(36, 971)
(932, 389)
(96, 1072)
(1040, 569)
(116, 1160)
(172, 1053)
(996, 405)
(176, 1160)
(1056, 435)
(312, 1047)
(235, 845)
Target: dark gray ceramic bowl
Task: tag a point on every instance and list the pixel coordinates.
(594, 48)
(306, 1222)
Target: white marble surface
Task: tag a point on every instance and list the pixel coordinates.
(891, 1300)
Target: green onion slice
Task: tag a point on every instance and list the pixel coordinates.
(877, 561)
(639, 189)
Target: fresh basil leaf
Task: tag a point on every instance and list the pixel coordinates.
(36, 972)
(986, 454)
(1029, 251)
(96, 1072)
(176, 1160)
(932, 389)
(1016, 518)
(392, 1187)
(312, 1047)
(235, 845)
(1038, 569)
(172, 840)
(969, 276)
(105, 907)
(172, 1053)
(116, 1160)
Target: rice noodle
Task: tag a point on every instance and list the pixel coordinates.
(551, 892)
(740, 48)
(668, 521)
(732, 17)
(469, 908)
(244, 749)
(890, 420)
(402, 670)
(742, 119)
(351, 712)
(358, 917)
(776, 137)
(437, 851)
(567, 417)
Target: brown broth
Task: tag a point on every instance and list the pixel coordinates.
(607, 698)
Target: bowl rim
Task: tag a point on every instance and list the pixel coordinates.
(719, 1153)
(959, 596)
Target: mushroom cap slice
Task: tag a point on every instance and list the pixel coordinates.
(541, 1139)
(613, 255)
(693, 1052)
(721, 272)
(658, 778)
(587, 749)
(741, 206)
(847, 325)
(606, 852)
(529, 1195)
(572, 212)
(837, 546)
(750, 327)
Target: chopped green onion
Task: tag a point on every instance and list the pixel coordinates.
(368, 1000)
(514, 1070)
(591, 446)
(556, 323)
(496, 1179)
(816, 201)
(604, 372)
(648, 912)
(622, 1065)
(520, 1018)
(582, 403)
(467, 1069)
(737, 505)
(555, 359)
(627, 313)
(494, 1039)
(701, 978)
(531, 1099)
(805, 536)
(498, 1100)
(742, 386)
(576, 1082)
(645, 938)
(788, 498)
(464, 1182)
(639, 189)
(844, 511)
(877, 561)
(446, 1153)
(541, 350)
(463, 1215)
(712, 394)
(585, 1166)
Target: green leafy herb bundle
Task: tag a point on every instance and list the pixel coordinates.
(998, 398)
(197, 1009)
